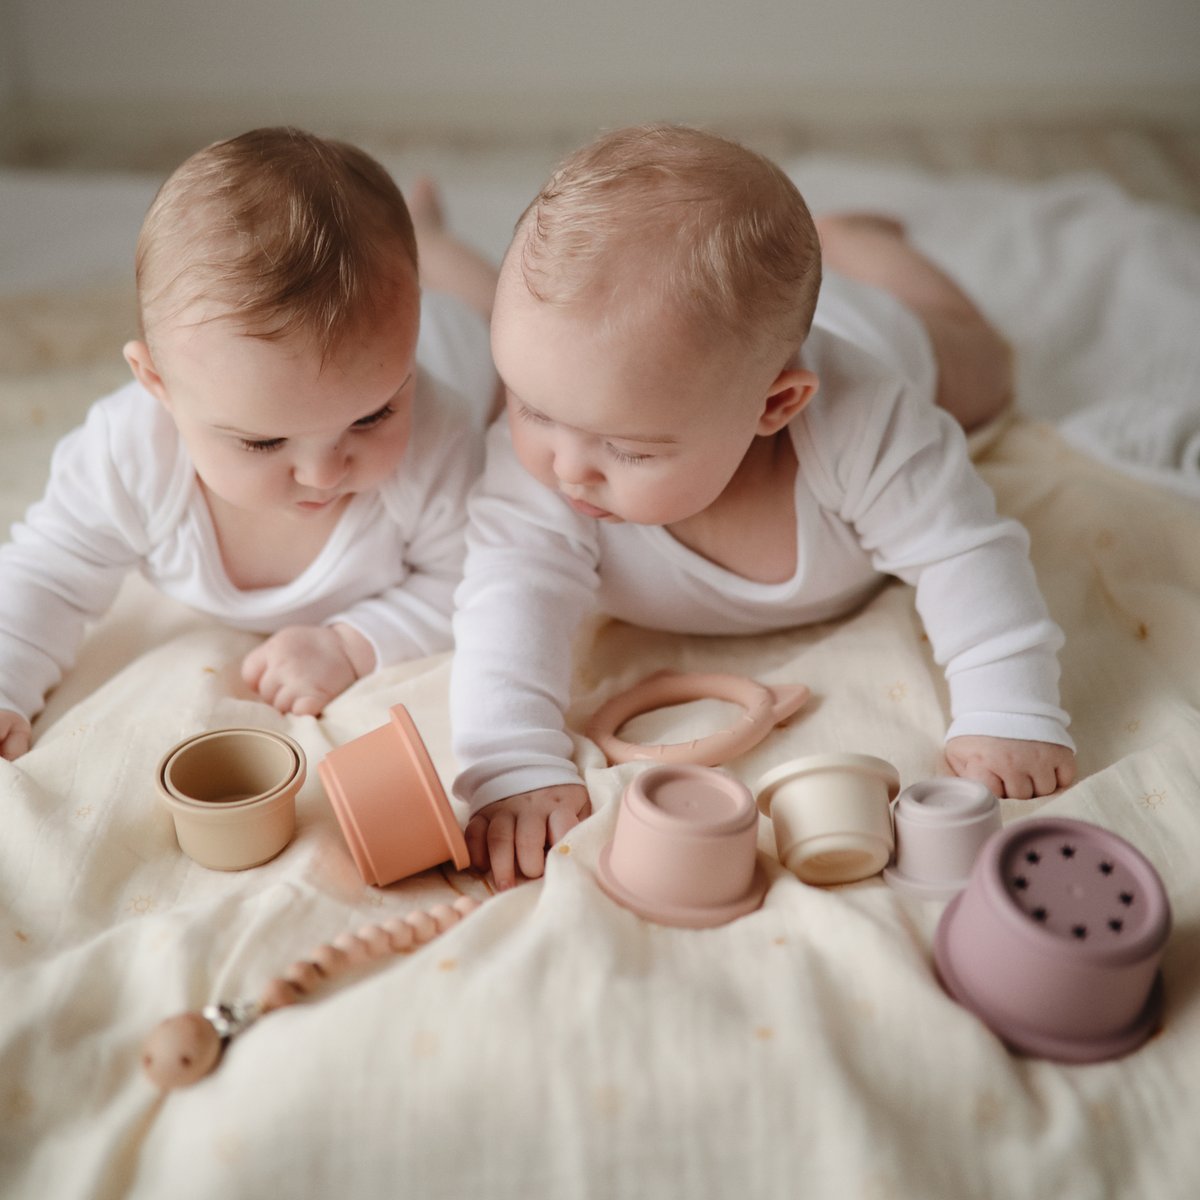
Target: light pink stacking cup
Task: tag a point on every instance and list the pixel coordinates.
(1055, 942)
(940, 827)
(684, 851)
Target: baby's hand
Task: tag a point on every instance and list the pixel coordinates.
(1012, 767)
(301, 668)
(16, 736)
(526, 824)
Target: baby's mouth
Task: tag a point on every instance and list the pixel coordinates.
(585, 509)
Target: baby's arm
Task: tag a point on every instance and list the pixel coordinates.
(925, 515)
(1012, 767)
(517, 831)
(530, 577)
(63, 567)
(15, 735)
(301, 668)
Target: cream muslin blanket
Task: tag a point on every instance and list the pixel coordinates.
(553, 1044)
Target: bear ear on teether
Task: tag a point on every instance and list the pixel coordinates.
(180, 1050)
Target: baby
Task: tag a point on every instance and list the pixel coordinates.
(695, 444)
(288, 459)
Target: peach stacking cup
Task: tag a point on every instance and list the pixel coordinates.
(684, 851)
(232, 795)
(390, 804)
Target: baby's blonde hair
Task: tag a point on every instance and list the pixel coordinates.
(282, 231)
(665, 217)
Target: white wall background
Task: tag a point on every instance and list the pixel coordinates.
(537, 65)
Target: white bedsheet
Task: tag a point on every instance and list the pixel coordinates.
(553, 1044)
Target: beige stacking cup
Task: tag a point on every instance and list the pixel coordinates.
(232, 795)
(831, 815)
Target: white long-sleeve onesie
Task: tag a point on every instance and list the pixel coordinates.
(123, 495)
(885, 487)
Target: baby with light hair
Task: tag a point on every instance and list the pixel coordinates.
(705, 437)
(294, 452)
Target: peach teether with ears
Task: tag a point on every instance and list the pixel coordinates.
(764, 707)
(185, 1048)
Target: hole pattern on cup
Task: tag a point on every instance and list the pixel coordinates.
(1085, 894)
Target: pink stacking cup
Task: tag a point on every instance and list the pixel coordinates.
(684, 851)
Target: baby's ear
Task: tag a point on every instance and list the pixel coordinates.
(141, 363)
(788, 394)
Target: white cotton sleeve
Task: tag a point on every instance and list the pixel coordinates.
(530, 578)
(905, 482)
(67, 558)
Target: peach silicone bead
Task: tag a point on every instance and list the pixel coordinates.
(303, 976)
(400, 933)
(376, 940)
(764, 708)
(331, 959)
(279, 993)
(423, 925)
(355, 949)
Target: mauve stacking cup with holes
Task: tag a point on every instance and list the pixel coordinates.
(1056, 940)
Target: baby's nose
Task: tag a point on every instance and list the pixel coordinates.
(573, 465)
(322, 469)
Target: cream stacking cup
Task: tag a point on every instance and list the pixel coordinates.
(831, 815)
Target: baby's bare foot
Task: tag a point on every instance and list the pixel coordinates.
(425, 206)
(862, 222)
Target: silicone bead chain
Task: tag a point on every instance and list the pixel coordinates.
(185, 1048)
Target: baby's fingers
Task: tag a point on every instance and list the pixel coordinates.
(500, 844)
(531, 843)
(1018, 786)
(254, 666)
(980, 773)
(307, 703)
(561, 821)
(15, 743)
(476, 839)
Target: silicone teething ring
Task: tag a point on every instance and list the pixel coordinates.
(764, 708)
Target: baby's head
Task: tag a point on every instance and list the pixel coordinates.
(279, 232)
(279, 310)
(647, 316)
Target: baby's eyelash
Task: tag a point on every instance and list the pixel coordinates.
(375, 418)
(261, 447)
(623, 456)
